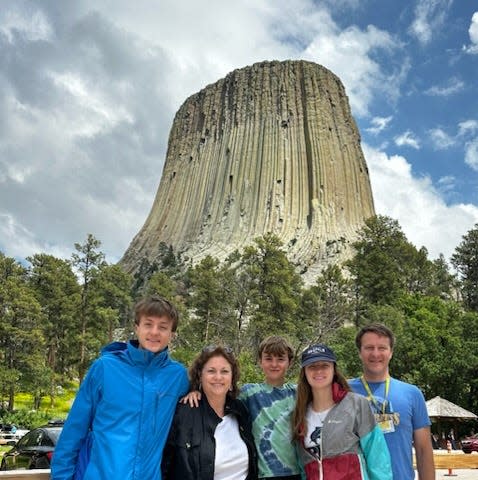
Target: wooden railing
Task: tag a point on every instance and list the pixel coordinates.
(456, 460)
(25, 475)
(444, 461)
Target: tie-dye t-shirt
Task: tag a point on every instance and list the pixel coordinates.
(271, 409)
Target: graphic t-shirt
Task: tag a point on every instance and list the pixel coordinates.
(313, 436)
(271, 410)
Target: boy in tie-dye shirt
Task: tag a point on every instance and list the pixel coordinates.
(270, 405)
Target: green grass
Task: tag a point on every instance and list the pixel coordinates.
(4, 448)
(24, 415)
(61, 402)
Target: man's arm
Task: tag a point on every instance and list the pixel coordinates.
(424, 454)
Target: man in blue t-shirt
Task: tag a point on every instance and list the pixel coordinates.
(399, 407)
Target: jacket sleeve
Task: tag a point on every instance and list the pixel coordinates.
(76, 430)
(184, 389)
(377, 456)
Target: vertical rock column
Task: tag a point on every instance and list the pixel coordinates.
(270, 148)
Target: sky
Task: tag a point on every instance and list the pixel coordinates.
(89, 89)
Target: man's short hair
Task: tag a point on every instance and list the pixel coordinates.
(156, 306)
(378, 328)
(275, 345)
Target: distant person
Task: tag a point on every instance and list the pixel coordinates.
(451, 438)
(334, 429)
(124, 407)
(399, 407)
(213, 441)
(271, 404)
(435, 441)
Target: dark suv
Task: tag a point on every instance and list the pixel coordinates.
(470, 444)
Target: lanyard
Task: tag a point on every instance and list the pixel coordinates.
(370, 394)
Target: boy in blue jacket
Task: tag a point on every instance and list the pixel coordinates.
(119, 421)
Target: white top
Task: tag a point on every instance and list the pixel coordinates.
(313, 436)
(232, 457)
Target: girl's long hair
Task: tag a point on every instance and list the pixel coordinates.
(305, 397)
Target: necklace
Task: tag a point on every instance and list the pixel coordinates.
(321, 415)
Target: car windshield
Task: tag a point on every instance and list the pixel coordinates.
(54, 433)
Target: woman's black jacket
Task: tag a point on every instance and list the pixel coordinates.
(190, 449)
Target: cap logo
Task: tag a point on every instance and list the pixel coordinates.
(317, 353)
(316, 349)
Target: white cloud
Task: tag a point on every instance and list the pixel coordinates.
(440, 139)
(94, 111)
(465, 136)
(468, 126)
(209, 47)
(473, 32)
(407, 139)
(349, 54)
(343, 4)
(454, 85)
(430, 16)
(378, 124)
(417, 205)
(471, 154)
(447, 183)
(32, 26)
(23, 243)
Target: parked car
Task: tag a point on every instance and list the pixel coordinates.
(33, 450)
(10, 434)
(470, 444)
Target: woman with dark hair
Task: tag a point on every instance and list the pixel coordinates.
(334, 429)
(214, 441)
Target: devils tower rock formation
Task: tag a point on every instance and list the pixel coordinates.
(269, 148)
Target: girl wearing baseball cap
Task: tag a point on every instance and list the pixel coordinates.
(334, 429)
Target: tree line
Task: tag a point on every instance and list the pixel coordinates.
(56, 314)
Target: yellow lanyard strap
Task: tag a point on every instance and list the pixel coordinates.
(370, 394)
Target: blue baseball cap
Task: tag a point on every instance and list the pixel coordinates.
(317, 353)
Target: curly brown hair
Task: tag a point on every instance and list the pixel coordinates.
(207, 353)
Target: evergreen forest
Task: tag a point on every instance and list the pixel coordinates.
(56, 314)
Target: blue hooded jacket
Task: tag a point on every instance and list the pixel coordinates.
(122, 412)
